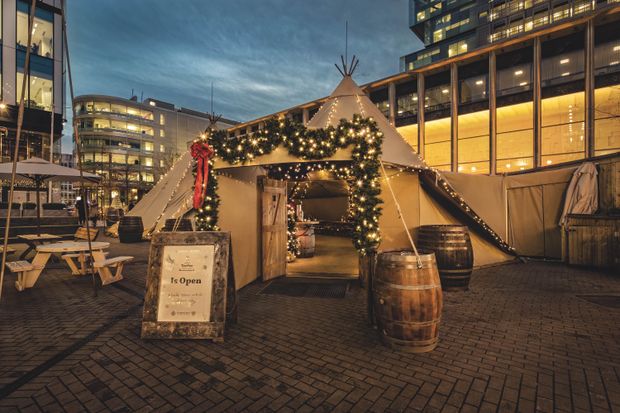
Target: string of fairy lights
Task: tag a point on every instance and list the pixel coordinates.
(362, 173)
(308, 144)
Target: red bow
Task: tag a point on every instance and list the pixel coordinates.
(202, 153)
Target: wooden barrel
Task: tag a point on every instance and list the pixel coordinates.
(177, 225)
(113, 216)
(130, 229)
(407, 300)
(305, 236)
(453, 251)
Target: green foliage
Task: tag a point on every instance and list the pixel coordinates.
(362, 134)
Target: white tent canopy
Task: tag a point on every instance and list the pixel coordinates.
(348, 100)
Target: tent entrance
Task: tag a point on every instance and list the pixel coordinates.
(321, 208)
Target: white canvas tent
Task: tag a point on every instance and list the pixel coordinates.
(240, 196)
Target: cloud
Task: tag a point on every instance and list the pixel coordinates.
(262, 56)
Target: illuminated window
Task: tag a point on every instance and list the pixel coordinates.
(607, 120)
(162, 133)
(133, 160)
(407, 105)
(473, 141)
(515, 137)
(148, 146)
(410, 135)
(147, 177)
(42, 38)
(563, 128)
(147, 161)
(102, 107)
(162, 163)
(457, 48)
(39, 91)
(384, 107)
(119, 159)
(162, 120)
(473, 89)
(515, 79)
(437, 147)
(162, 148)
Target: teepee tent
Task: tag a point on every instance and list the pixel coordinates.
(424, 195)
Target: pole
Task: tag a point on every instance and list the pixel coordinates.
(20, 121)
(49, 187)
(37, 182)
(78, 148)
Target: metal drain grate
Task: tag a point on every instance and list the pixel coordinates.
(307, 288)
(611, 301)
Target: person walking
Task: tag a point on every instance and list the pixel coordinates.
(81, 210)
(94, 213)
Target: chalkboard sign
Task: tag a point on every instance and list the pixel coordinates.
(188, 284)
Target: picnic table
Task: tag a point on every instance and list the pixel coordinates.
(28, 273)
(33, 240)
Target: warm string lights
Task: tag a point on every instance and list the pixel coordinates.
(444, 185)
(311, 144)
(207, 215)
(292, 243)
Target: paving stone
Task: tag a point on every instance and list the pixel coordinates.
(520, 340)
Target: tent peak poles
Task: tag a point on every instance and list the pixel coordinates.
(20, 121)
(78, 147)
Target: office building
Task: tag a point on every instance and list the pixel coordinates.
(544, 97)
(131, 144)
(44, 98)
(450, 28)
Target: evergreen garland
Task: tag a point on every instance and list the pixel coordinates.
(292, 244)
(311, 144)
(207, 216)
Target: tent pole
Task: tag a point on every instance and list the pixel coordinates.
(37, 181)
(400, 215)
(20, 121)
(78, 148)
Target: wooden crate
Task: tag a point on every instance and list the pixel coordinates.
(593, 241)
(609, 186)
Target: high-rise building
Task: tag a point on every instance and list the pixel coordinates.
(536, 97)
(130, 144)
(450, 28)
(44, 97)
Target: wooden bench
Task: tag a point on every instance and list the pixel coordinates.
(22, 269)
(80, 235)
(103, 266)
(9, 250)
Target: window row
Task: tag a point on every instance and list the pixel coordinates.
(107, 107)
(116, 125)
(563, 134)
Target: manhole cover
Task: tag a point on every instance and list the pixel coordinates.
(611, 301)
(307, 288)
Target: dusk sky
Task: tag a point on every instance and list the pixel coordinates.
(262, 56)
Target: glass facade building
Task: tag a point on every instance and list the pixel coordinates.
(548, 94)
(131, 144)
(44, 100)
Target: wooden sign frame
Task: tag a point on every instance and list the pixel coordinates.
(222, 283)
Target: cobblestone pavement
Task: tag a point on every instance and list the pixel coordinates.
(520, 340)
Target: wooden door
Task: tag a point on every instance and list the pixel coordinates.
(273, 228)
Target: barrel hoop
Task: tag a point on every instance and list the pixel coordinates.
(406, 266)
(407, 287)
(412, 323)
(410, 342)
(467, 270)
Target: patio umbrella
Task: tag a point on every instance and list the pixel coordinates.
(39, 171)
